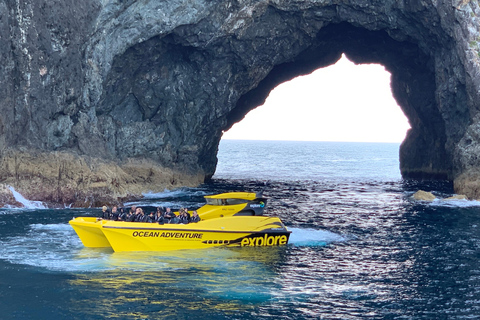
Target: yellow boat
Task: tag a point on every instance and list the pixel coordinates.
(228, 219)
(89, 230)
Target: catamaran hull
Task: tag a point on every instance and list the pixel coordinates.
(228, 231)
(89, 230)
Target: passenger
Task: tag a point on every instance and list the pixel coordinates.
(169, 215)
(139, 215)
(105, 213)
(174, 219)
(160, 210)
(122, 215)
(183, 217)
(159, 216)
(187, 213)
(133, 209)
(151, 217)
(179, 216)
(115, 214)
(131, 214)
(195, 217)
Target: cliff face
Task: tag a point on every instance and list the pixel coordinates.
(102, 99)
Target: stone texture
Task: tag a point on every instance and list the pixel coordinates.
(457, 197)
(423, 196)
(64, 179)
(119, 88)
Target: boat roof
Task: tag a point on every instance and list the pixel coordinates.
(235, 195)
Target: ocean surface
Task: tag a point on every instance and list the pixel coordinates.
(361, 248)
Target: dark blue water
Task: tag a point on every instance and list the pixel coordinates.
(361, 248)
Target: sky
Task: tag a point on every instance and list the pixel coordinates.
(342, 102)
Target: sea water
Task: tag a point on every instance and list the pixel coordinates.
(361, 248)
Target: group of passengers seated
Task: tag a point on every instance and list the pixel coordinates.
(162, 215)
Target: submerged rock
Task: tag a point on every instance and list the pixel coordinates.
(106, 99)
(457, 197)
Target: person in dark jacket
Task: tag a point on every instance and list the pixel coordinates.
(169, 215)
(159, 216)
(151, 217)
(115, 214)
(131, 214)
(183, 217)
(140, 216)
(122, 215)
(105, 213)
(195, 217)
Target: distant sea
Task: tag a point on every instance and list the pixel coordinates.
(361, 248)
(307, 160)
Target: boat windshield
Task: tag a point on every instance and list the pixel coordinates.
(225, 202)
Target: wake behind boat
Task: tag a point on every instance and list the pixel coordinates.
(228, 219)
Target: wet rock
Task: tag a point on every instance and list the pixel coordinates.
(423, 196)
(457, 197)
(63, 179)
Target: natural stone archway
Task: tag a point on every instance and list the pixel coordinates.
(102, 99)
(423, 154)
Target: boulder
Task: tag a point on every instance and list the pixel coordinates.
(423, 196)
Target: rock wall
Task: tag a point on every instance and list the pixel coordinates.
(102, 100)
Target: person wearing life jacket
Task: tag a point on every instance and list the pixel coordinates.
(105, 213)
(195, 217)
(122, 215)
(183, 217)
(187, 213)
(169, 215)
(139, 215)
(159, 216)
(131, 214)
(151, 217)
(114, 215)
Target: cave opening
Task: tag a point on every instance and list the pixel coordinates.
(413, 84)
(342, 102)
(343, 113)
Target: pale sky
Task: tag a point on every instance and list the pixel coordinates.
(343, 102)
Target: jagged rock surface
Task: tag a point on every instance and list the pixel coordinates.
(101, 87)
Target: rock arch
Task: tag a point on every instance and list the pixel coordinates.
(155, 83)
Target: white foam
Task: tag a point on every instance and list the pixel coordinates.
(27, 203)
(165, 194)
(48, 246)
(312, 237)
(455, 203)
(52, 227)
(174, 193)
(56, 247)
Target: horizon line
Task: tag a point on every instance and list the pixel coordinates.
(281, 140)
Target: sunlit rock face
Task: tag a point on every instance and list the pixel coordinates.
(103, 100)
